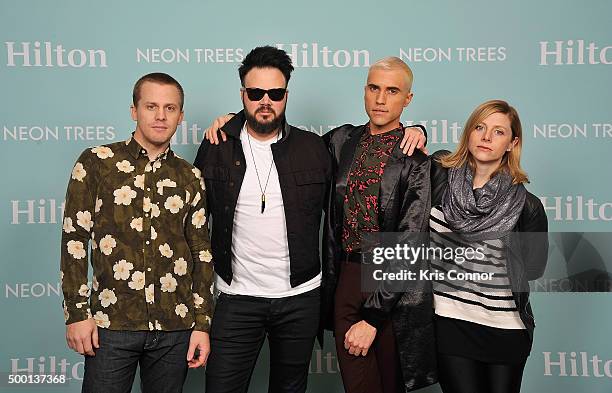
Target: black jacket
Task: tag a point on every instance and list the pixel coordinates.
(404, 205)
(527, 255)
(304, 171)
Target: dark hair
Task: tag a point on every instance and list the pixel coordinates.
(266, 57)
(160, 78)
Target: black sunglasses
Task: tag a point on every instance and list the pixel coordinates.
(256, 94)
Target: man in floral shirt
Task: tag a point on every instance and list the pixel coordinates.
(143, 211)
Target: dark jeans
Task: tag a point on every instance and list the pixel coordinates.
(239, 328)
(162, 357)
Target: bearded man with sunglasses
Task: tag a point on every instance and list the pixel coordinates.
(266, 189)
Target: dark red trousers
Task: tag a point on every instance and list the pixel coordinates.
(379, 371)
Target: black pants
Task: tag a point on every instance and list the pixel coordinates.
(162, 357)
(463, 375)
(239, 328)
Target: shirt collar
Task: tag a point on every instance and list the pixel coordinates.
(137, 151)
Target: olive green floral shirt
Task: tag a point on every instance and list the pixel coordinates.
(150, 251)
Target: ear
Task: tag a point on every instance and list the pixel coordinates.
(133, 112)
(408, 99)
(512, 144)
(181, 117)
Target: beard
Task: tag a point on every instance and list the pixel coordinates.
(268, 127)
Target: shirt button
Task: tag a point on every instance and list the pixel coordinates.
(148, 189)
(238, 163)
(226, 208)
(148, 269)
(225, 230)
(147, 242)
(146, 214)
(231, 184)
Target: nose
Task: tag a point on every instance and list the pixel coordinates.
(265, 100)
(486, 136)
(160, 114)
(380, 97)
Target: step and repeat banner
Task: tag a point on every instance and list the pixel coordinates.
(67, 69)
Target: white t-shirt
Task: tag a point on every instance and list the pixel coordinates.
(260, 249)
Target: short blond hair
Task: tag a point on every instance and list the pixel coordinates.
(391, 63)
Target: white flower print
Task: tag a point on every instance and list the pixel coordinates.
(103, 152)
(181, 310)
(136, 224)
(165, 250)
(155, 210)
(150, 294)
(156, 165)
(83, 290)
(84, 220)
(197, 300)
(124, 166)
(138, 281)
(107, 243)
(202, 184)
(208, 319)
(151, 326)
(180, 267)
(80, 305)
(107, 297)
(122, 269)
(158, 325)
(174, 204)
(94, 284)
(61, 277)
(66, 315)
(196, 199)
(124, 195)
(197, 173)
(164, 183)
(212, 288)
(198, 218)
(68, 227)
(101, 320)
(187, 196)
(76, 249)
(168, 283)
(78, 172)
(205, 256)
(146, 204)
(153, 233)
(98, 205)
(139, 181)
(88, 311)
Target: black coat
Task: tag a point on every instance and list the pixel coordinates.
(404, 205)
(527, 255)
(304, 172)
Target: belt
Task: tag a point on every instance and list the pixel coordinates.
(356, 256)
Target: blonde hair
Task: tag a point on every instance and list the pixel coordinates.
(511, 161)
(391, 63)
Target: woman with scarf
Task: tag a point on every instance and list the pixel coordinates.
(484, 328)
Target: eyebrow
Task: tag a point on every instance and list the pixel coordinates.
(387, 88)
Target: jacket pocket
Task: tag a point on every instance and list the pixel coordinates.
(310, 186)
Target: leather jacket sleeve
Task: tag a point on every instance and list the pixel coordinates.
(534, 245)
(413, 218)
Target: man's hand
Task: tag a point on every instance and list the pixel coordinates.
(201, 342)
(359, 338)
(212, 132)
(413, 138)
(82, 337)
